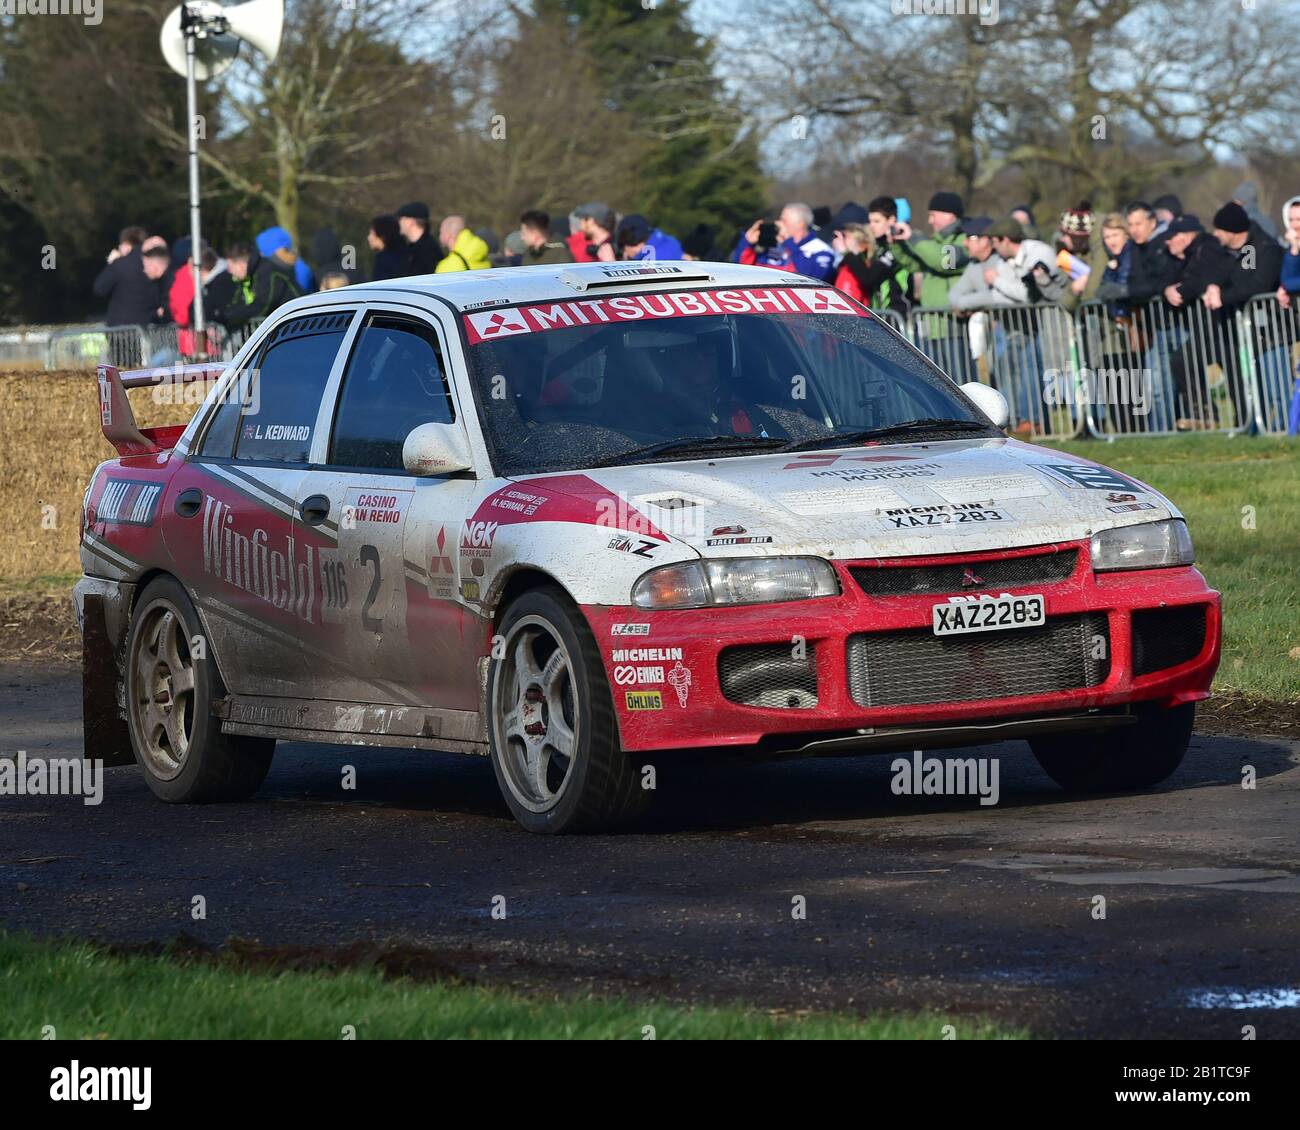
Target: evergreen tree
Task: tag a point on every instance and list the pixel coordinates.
(657, 70)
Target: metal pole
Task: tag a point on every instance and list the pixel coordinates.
(196, 260)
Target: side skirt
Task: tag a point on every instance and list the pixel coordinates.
(353, 723)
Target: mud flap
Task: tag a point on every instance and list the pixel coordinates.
(105, 736)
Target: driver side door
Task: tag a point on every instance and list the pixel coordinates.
(393, 627)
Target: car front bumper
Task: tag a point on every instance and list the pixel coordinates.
(857, 666)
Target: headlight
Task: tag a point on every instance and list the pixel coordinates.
(745, 580)
(1150, 545)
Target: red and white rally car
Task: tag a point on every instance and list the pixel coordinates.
(575, 517)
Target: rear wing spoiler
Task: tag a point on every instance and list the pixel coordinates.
(116, 418)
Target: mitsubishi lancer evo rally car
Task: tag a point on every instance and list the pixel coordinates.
(577, 517)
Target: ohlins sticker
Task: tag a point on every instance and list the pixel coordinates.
(129, 502)
(542, 316)
(644, 700)
(284, 579)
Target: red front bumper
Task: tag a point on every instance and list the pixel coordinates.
(663, 667)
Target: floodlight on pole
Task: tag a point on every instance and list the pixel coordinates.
(200, 40)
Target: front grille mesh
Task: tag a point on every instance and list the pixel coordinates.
(915, 666)
(1166, 637)
(1006, 572)
(772, 675)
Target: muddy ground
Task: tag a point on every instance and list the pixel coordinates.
(912, 902)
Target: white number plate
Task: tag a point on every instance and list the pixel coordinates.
(988, 614)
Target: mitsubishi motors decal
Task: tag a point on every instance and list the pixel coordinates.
(488, 325)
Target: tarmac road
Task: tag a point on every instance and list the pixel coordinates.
(912, 902)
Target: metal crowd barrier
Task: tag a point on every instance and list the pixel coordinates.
(1028, 353)
(1272, 336)
(1155, 369)
(136, 347)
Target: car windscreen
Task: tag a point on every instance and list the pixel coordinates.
(567, 385)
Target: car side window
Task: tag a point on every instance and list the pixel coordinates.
(394, 382)
(283, 391)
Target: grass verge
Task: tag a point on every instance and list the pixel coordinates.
(85, 992)
(1241, 497)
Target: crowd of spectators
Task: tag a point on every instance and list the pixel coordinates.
(1147, 268)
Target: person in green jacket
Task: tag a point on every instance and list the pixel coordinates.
(895, 293)
(939, 261)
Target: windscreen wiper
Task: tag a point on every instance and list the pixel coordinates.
(686, 444)
(927, 424)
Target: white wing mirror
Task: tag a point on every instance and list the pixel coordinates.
(989, 401)
(436, 449)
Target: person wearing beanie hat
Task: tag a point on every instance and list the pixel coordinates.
(1247, 195)
(1253, 266)
(1203, 263)
(279, 243)
(1253, 260)
(940, 261)
(1231, 219)
(948, 202)
(1077, 256)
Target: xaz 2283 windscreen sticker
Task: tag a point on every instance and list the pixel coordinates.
(488, 325)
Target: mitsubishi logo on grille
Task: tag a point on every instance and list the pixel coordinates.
(970, 579)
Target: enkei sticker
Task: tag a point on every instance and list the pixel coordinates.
(629, 675)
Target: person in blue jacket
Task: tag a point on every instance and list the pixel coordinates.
(798, 248)
(277, 243)
(637, 238)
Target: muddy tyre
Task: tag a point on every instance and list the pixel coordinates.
(170, 689)
(554, 740)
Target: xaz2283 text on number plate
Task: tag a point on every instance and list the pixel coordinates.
(988, 614)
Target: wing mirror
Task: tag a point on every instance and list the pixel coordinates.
(436, 449)
(989, 401)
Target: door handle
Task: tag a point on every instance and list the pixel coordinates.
(189, 502)
(315, 509)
